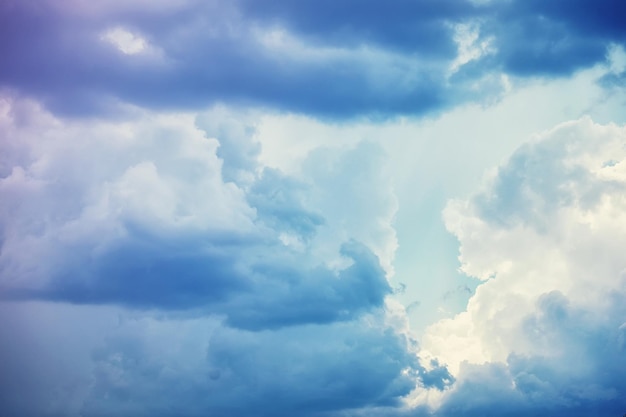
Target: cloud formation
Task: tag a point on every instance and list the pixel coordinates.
(140, 215)
(175, 240)
(311, 370)
(332, 59)
(137, 219)
(544, 333)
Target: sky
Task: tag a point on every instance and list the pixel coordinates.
(268, 208)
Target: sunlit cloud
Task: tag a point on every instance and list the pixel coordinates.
(125, 41)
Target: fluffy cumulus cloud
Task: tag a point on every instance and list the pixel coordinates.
(268, 278)
(544, 334)
(111, 217)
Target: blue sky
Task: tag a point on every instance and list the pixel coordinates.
(316, 208)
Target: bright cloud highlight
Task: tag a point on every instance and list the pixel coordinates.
(546, 236)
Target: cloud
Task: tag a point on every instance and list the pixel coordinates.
(138, 214)
(253, 292)
(312, 370)
(331, 59)
(543, 334)
(127, 42)
(150, 258)
(207, 54)
(86, 187)
(416, 27)
(46, 367)
(69, 360)
(238, 148)
(535, 38)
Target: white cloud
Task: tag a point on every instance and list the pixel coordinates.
(470, 45)
(430, 160)
(124, 40)
(547, 236)
(83, 185)
(616, 57)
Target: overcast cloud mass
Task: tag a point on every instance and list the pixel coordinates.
(317, 208)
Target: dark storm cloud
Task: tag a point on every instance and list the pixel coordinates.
(533, 37)
(410, 26)
(64, 61)
(293, 296)
(556, 37)
(214, 52)
(272, 293)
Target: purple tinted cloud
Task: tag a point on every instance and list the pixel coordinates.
(215, 52)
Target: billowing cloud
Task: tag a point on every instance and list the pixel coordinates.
(140, 215)
(263, 279)
(544, 333)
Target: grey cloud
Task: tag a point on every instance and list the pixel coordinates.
(46, 364)
(309, 370)
(287, 295)
(281, 203)
(238, 149)
(157, 227)
(368, 58)
(84, 75)
(417, 27)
